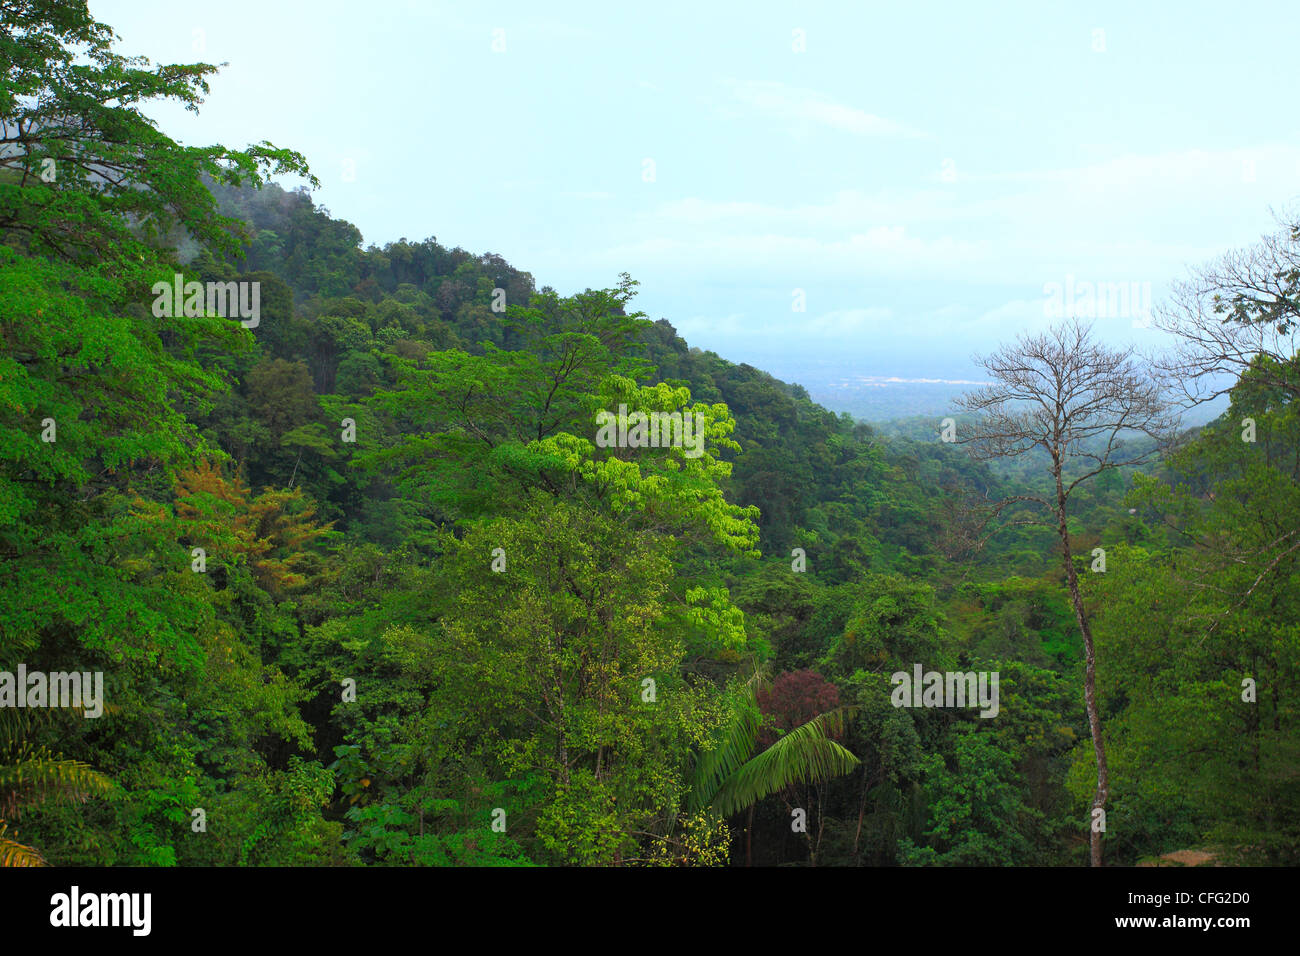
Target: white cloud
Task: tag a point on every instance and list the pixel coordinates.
(808, 107)
(876, 381)
(1126, 219)
(880, 251)
(835, 324)
(842, 322)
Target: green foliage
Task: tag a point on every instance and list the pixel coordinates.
(803, 755)
(975, 810)
(554, 640)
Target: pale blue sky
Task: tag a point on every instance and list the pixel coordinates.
(920, 171)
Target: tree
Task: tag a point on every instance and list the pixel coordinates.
(1237, 323)
(975, 809)
(1239, 312)
(552, 655)
(1077, 401)
(98, 401)
(84, 174)
(1193, 622)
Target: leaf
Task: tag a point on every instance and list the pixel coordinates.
(803, 755)
(13, 853)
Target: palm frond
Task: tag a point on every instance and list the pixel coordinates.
(803, 755)
(731, 748)
(33, 777)
(17, 725)
(728, 754)
(13, 853)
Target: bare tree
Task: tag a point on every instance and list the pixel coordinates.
(1078, 402)
(1239, 311)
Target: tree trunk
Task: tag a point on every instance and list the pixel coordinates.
(821, 822)
(862, 809)
(749, 838)
(1089, 679)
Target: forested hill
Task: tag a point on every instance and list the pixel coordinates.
(818, 479)
(353, 546)
(370, 577)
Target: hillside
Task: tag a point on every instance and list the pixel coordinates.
(385, 555)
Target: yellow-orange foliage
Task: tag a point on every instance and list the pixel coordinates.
(271, 530)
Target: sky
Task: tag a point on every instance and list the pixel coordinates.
(867, 189)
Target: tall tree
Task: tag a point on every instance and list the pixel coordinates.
(96, 394)
(1078, 401)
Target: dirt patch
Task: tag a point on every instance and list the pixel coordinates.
(1183, 858)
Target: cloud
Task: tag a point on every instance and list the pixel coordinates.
(877, 381)
(808, 107)
(995, 237)
(723, 326)
(1127, 219)
(846, 209)
(836, 324)
(1276, 166)
(800, 260)
(842, 322)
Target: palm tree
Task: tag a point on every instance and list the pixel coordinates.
(730, 777)
(31, 776)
